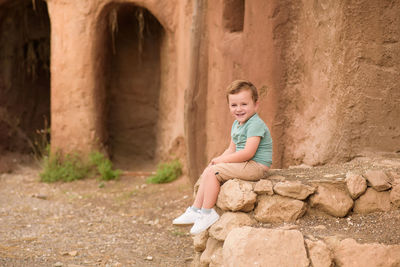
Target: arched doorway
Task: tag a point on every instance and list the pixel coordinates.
(132, 86)
(24, 75)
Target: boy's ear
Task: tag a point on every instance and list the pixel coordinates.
(257, 104)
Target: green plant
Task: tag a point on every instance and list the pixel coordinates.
(166, 172)
(72, 167)
(67, 169)
(104, 166)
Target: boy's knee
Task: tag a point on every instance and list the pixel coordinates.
(207, 171)
(211, 174)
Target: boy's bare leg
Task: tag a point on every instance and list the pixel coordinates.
(210, 189)
(198, 201)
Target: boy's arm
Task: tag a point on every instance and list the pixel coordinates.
(231, 148)
(242, 155)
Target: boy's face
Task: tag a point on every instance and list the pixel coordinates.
(242, 106)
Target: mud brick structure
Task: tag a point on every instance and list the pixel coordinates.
(144, 80)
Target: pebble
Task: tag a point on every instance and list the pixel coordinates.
(40, 196)
(149, 258)
(289, 227)
(320, 227)
(73, 253)
(58, 264)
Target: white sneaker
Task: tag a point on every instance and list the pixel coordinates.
(189, 217)
(205, 221)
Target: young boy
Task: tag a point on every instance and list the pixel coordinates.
(248, 156)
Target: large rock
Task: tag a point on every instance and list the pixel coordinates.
(216, 259)
(331, 200)
(200, 241)
(319, 253)
(350, 253)
(356, 184)
(278, 209)
(264, 187)
(372, 201)
(196, 260)
(394, 177)
(378, 180)
(293, 189)
(247, 246)
(236, 195)
(211, 249)
(229, 221)
(395, 195)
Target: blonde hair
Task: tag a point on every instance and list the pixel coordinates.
(240, 85)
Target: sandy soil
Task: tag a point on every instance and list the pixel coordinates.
(89, 223)
(128, 222)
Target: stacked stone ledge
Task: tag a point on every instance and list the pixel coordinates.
(232, 241)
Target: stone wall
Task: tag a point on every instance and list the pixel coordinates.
(249, 246)
(243, 235)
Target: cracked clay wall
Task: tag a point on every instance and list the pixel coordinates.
(342, 80)
(327, 71)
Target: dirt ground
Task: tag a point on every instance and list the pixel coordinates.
(89, 223)
(128, 222)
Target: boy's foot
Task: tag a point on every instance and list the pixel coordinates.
(205, 221)
(189, 217)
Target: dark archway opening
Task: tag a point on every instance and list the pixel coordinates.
(133, 80)
(24, 76)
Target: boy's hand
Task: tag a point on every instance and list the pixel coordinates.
(230, 155)
(216, 160)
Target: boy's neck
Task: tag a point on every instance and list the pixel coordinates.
(248, 119)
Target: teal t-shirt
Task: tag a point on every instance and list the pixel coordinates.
(254, 126)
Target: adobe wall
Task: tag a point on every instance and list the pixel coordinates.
(344, 80)
(329, 71)
(98, 92)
